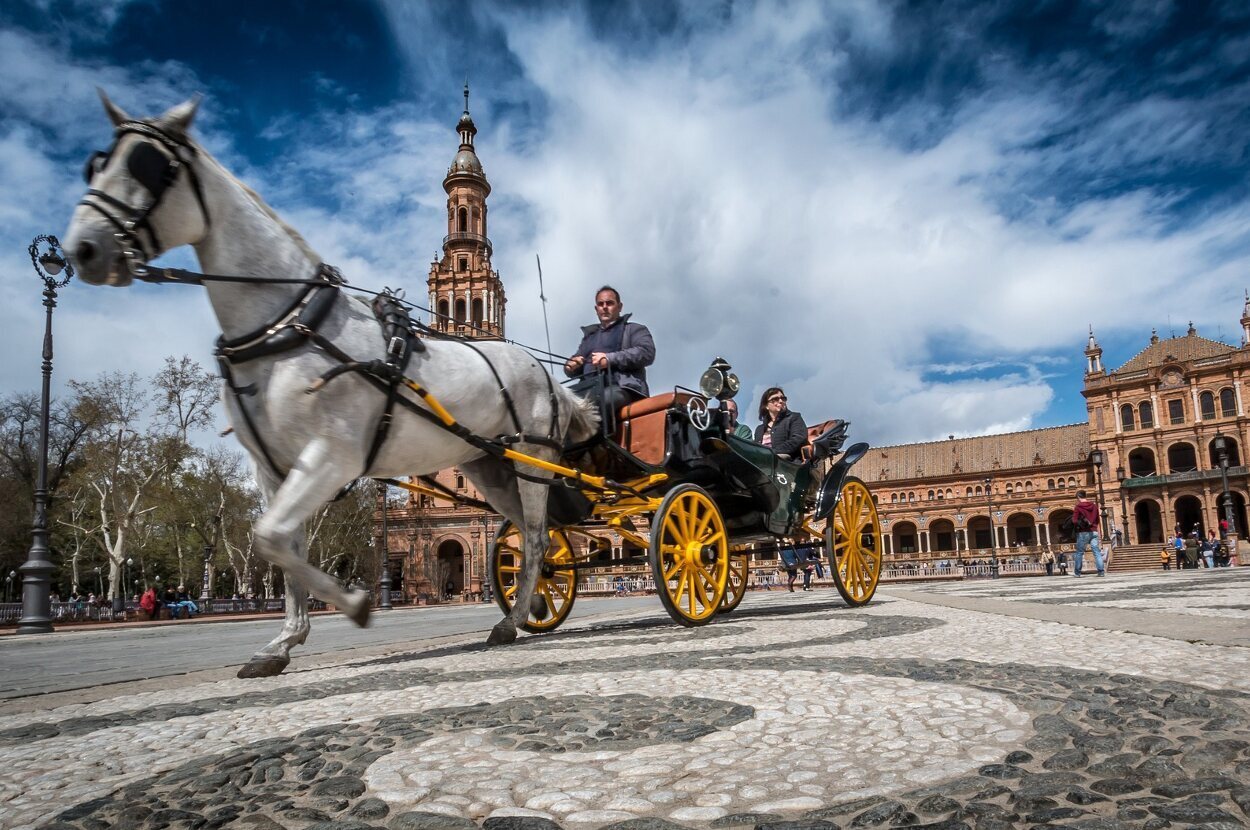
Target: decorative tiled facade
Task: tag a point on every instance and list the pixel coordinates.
(1153, 423)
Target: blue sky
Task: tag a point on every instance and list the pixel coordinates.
(907, 214)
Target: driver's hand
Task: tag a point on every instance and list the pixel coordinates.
(599, 360)
(575, 362)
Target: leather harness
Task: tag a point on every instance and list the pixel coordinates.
(297, 324)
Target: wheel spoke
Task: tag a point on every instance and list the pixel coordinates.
(668, 574)
(700, 589)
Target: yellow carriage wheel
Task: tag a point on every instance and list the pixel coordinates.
(557, 588)
(689, 555)
(736, 584)
(853, 542)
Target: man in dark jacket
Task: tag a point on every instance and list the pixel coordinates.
(1085, 520)
(621, 349)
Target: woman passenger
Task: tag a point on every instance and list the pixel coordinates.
(780, 429)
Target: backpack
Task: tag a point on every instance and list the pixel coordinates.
(1082, 524)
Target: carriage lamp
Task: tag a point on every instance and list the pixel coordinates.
(718, 382)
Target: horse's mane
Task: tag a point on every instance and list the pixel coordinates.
(298, 239)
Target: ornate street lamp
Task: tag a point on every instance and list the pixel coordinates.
(1096, 458)
(989, 504)
(8, 585)
(1121, 477)
(210, 548)
(49, 262)
(1221, 450)
(385, 603)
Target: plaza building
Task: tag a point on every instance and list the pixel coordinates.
(1163, 434)
(434, 548)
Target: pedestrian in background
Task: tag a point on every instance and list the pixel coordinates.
(1048, 559)
(1085, 521)
(1165, 556)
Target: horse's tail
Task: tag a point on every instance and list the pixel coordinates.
(584, 422)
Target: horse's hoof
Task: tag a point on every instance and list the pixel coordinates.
(263, 667)
(363, 604)
(538, 608)
(503, 633)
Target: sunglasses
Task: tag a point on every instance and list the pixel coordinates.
(777, 398)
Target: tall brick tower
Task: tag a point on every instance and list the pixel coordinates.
(466, 295)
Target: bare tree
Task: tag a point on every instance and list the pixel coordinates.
(185, 395)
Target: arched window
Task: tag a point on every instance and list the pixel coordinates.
(978, 489)
(1182, 458)
(941, 496)
(1071, 481)
(911, 496)
(1062, 484)
(950, 494)
(894, 498)
(1141, 462)
(874, 498)
(462, 220)
(1206, 403)
(969, 495)
(460, 311)
(1050, 484)
(443, 310)
(1147, 414)
(1028, 487)
(459, 482)
(1228, 406)
(477, 309)
(1019, 486)
(1009, 488)
(930, 495)
(1126, 416)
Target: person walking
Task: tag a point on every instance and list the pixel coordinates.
(1165, 556)
(1048, 559)
(1085, 521)
(1209, 546)
(150, 604)
(1192, 546)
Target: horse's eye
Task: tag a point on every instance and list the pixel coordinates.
(95, 163)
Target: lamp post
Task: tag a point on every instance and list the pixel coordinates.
(1221, 449)
(208, 550)
(37, 570)
(8, 586)
(99, 582)
(385, 602)
(1096, 458)
(989, 505)
(1121, 477)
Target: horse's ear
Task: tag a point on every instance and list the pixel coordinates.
(178, 119)
(116, 114)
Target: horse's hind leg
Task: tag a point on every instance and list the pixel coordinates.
(534, 516)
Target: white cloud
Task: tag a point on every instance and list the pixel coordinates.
(707, 179)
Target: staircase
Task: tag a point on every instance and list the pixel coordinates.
(1136, 558)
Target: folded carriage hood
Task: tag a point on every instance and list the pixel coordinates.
(832, 485)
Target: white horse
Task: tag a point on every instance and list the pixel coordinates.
(156, 190)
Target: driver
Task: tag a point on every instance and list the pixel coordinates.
(780, 429)
(615, 345)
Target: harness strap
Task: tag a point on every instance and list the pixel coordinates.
(503, 389)
(227, 375)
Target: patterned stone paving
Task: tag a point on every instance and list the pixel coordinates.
(793, 712)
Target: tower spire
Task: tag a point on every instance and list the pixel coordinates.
(1245, 321)
(1093, 355)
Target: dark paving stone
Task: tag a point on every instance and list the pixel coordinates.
(1067, 759)
(370, 808)
(935, 804)
(519, 823)
(650, 824)
(435, 821)
(1115, 786)
(801, 824)
(739, 819)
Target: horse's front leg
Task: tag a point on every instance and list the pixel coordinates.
(275, 656)
(317, 477)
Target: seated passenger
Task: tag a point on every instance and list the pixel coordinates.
(614, 345)
(733, 427)
(780, 429)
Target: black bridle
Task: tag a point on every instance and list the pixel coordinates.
(155, 165)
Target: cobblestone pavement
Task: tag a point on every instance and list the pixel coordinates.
(1217, 592)
(794, 712)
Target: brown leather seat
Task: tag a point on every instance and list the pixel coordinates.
(640, 425)
(812, 434)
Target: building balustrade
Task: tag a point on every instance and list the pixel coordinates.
(469, 236)
(1186, 476)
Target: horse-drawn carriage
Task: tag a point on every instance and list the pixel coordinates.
(711, 500)
(291, 326)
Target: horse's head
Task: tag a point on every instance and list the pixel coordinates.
(144, 197)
